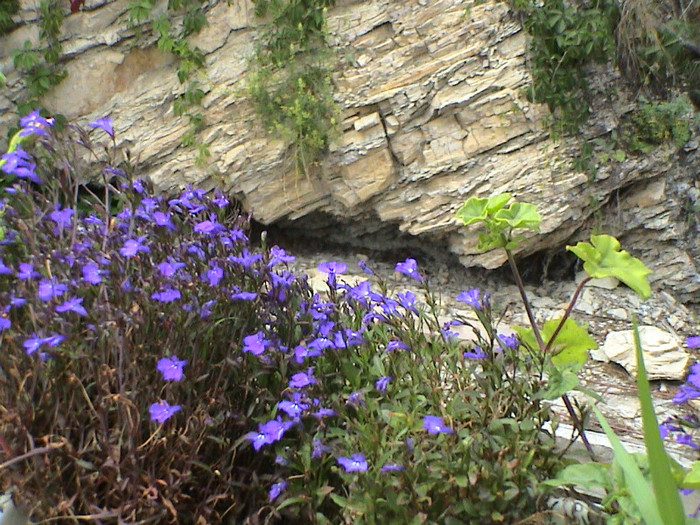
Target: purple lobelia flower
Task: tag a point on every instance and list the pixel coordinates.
(26, 271)
(268, 433)
(105, 124)
(471, 297)
(692, 341)
(171, 367)
(167, 295)
(34, 123)
(214, 275)
(133, 246)
(381, 383)
(74, 304)
(434, 425)
(162, 411)
(163, 219)
(62, 217)
(276, 489)
(293, 408)
(318, 448)
(5, 323)
(409, 267)
(48, 289)
(332, 267)
(355, 463)
(391, 467)
(92, 273)
(476, 353)
(255, 343)
(168, 269)
(302, 379)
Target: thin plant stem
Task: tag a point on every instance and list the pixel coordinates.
(578, 424)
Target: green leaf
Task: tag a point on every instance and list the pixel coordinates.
(603, 258)
(639, 489)
(561, 381)
(474, 210)
(496, 202)
(665, 486)
(520, 215)
(590, 476)
(569, 348)
(692, 479)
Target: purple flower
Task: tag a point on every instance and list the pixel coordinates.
(163, 219)
(105, 124)
(246, 259)
(255, 343)
(91, 273)
(4, 269)
(268, 433)
(20, 163)
(47, 290)
(26, 271)
(391, 467)
(511, 341)
(333, 267)
(214, 275)
(355, 463)
(208, 227)
(476, 353)
(346, 338)
(381, 383)
(162, 411)
(323, 412)
(355, 398)
(62, 218)
(220, 199)
(686, 393)
(167, 295)
(168, 269)
(276, 490)
(5, 323)
(409, 267)
(407, 300)
(133, 246)
(171, 367)
(302, 379)
(434, 425)
(693, 341)
(471, 297)
(396, 344)
(687, 439)
(364, 267)
(277, 256)
(32, 344)
(74, 304)
(243, 296)
(293, 408)
(34, 123)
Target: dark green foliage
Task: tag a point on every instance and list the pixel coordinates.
(655, 123)
(7, 9)
(291, 81)
(566, 38)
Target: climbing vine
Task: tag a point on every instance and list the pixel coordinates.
(566, 38)
(40, 66)
(172, 38)
(291, 79)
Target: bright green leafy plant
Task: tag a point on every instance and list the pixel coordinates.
(563, 342)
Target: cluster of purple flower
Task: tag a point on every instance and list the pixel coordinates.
(682, 428)
(327, 336)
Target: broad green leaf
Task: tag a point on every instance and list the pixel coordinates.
(692, 479)
(587, 475)
(477, 209)
(472, 211)
(665, 487)
(639, 489)
(520, 215)
(571, 345)
(496, 202)
(603, 258)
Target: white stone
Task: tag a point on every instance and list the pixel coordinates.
(664, 357)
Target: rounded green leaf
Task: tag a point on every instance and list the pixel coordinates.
(602, 258)
(521, 215)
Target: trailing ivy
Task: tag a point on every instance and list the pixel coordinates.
(40, 66)
(566, 38)
(291, 79)
(7, 9)
(172, 38)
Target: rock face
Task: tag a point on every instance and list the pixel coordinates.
(432, 112)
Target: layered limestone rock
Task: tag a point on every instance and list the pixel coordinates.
(432, 112)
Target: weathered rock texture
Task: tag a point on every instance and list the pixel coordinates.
(432, 112)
